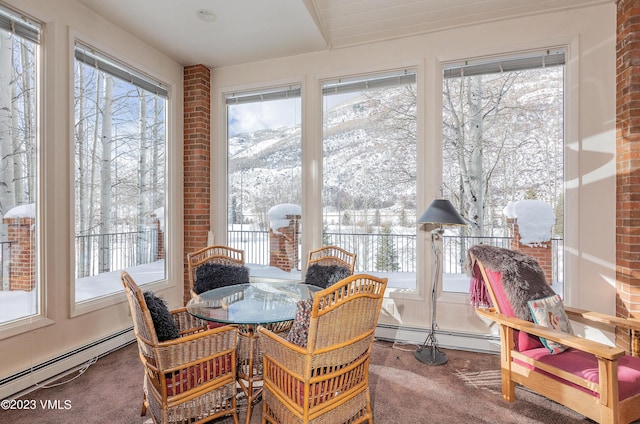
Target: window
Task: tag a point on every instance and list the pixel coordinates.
(503, 143)
(120, 185)
(19, 168)
(264, 162)
(369, 172)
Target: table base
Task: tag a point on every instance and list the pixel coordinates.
(249, 370)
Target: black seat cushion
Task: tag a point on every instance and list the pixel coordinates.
(325, 275)
(211, 276)
(166, 328)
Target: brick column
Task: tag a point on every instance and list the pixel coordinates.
(197, 161)
(627, 166)
(541, 252)
(283, 245)
(22, 275)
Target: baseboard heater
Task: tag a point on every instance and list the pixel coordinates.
(483, 343)
(25, 381)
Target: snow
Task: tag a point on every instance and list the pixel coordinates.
(22, 211)
(18, 303)
(278, 215)
(535, 220)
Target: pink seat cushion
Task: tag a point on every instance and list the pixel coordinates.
(523, 341)
(585, 365)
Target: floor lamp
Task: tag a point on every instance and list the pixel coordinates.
(440, 212)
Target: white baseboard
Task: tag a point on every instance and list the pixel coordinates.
(23, 382)
(446, 339)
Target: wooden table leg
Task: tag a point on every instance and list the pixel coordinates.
(249, 352)
(247, 375)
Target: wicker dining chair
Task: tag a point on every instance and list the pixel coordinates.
(328, 265)
(190, 378)
(223, 264)
(324, 376)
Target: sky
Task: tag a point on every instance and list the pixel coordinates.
(251, 117)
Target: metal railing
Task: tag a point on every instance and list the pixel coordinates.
(5, 257)
(99, 253)
(390, 252)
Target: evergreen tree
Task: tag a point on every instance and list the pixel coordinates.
(386, 256)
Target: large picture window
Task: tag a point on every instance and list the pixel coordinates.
(503, 162)
(369, 172)
(20, 285)
(120, 178)
(264, 164)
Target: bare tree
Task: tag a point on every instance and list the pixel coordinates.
(105, 176)
(501, 142)
(7, 174)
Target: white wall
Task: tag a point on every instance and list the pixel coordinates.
(65, 328)
(589, 34)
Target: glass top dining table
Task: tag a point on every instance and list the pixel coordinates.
(266, 302)
(253, 303)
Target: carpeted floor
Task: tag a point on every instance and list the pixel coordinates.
(403, 390)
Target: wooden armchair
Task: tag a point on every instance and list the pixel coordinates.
(599, 381)
(191, 378)
(229, 267)
(328, 265)
(327, 379)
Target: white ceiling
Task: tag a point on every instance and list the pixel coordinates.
(249, 30)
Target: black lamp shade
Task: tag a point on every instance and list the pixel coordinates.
(441, 211)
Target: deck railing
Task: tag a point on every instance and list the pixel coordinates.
(125, 250)
(389, 252)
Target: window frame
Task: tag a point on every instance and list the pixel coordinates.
(571, 151)
(39, 319)
(360, 83)
(118, 297)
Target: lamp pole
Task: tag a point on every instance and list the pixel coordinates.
(440, 212)
(429, 353)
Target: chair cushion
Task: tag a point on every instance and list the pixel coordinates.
(522, 340)
(585, 365)
(181, 381)
(515, 279)
(299, 331)
(522, 278)
(325, 275)
(210, 276)
(165, 326)
(549, 312)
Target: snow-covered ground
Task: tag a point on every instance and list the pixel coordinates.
(17, 304)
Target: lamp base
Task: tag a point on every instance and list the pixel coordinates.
(430, 355)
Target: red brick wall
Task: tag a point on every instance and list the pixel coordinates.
(627, 164)
(283, 245)
(22, 275)
(197, 161)
(541, 253)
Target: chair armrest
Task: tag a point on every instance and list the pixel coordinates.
(586, 345)
(628, 323)
(187, 323)
(198, 347)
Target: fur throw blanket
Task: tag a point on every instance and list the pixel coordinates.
(325, 275)
(522, 277)
(210, 276)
